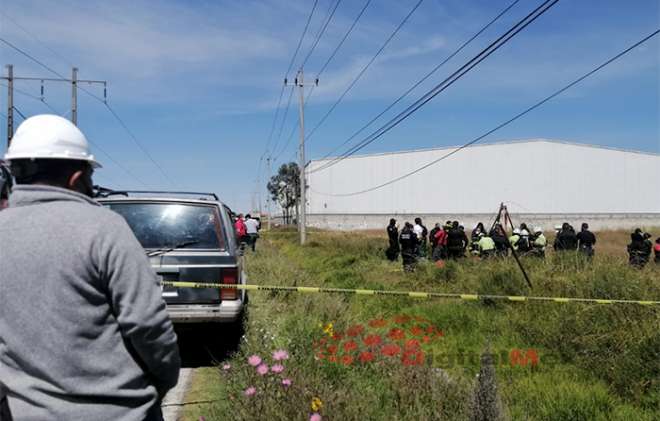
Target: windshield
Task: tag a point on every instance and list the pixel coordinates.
(164, 225)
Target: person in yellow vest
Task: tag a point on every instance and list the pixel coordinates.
(539, 244)
(486, 246)
(513, 240)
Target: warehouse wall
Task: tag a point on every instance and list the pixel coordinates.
(597, 222)
(532, 177)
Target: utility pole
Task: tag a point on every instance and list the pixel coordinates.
(302, 222)
(74, 96)
(10, 104)
(74, 81)
(303, 187)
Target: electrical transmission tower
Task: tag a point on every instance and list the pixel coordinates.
(74, 81)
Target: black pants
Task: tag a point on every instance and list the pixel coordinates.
(392, 252)
(252, 240)
(455, 253)
(409, 259)
(588, 251)
(638, 259)
(439, 253)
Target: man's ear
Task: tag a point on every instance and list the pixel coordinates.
(74, 179)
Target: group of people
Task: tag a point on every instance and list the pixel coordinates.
(450, 241)
(641, 248)
(247, 231)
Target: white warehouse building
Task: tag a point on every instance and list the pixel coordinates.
(543, 182)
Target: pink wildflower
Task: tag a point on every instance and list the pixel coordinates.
(277, 368)
(286, 382)
(226, 366)
(315, 417)
(254, 360)
(250, 391)
(262, 369)
(280, 355)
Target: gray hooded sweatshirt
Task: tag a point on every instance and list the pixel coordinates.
(84, 333)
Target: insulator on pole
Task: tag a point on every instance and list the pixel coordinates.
(285, 81)
(42, 90)
(105, 93)
(317, 81)
(295, 81)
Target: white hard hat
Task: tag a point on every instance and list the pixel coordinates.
(538, 229)
(516, 230)
(557, 227)
(49, 136)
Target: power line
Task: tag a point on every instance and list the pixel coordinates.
(321, 32)
(40, 63)
(507, 122)
(29, 33)
(114, 161)
(450, 80)
(325, 65)
(97, 146)
(137, 142)
(350, 29)
(423, 79)
(274, 123)
(19, 113)
(110, 109)
(302, 36)
(364, 69)
(293, 128)
(279, 101)
(286, 112)
(34, 97)
(288, 140)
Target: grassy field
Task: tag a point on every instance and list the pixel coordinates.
(395, 358)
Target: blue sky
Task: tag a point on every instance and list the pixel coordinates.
(198, 82)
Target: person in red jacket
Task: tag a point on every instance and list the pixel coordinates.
(656, 250)
(440, 238)
(241, 231)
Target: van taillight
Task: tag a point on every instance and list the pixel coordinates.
(229, 276)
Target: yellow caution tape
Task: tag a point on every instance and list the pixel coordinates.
(413, 294)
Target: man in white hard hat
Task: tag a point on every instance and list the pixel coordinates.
(84, 333)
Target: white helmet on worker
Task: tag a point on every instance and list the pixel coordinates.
(537, 230)
(49, 136)
(516, 230)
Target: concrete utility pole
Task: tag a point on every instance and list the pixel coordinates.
(303, 183)
(74, 96)
(302, 215)
(10, 103)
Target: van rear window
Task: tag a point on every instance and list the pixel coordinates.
(168, 225)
